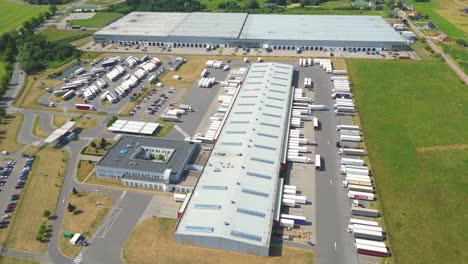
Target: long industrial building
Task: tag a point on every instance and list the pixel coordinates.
(235, 202)
(286, 32)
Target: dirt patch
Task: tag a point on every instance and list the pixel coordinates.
(442, 148)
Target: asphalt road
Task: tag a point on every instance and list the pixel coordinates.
(334, 244)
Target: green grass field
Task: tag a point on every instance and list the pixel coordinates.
(427, 8)
(13, 15)
(404, 111)
(99, 20)
(54, 34)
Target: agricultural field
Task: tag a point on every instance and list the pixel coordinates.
(445, 14)
(99, 20)
(157, 234)
(414, 125)
(69, 35)
(13, 15)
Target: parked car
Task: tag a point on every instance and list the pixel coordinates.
(8, 210)
(7, 216)
(19, 186)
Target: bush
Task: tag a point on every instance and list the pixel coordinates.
(111, 121)
(46, 213)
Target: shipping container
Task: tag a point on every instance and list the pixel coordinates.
(363, 222)
(349, 161)
(84, 107)
(350, 138)
(179, 197)
(287, 222)
(352, 151)
(361, 195)
(364, 212)
(370, 243)
(367, 234)
(372, 250)
(301, 220)
(318, 162)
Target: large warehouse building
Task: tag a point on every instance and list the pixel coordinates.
(234, 203)
(309, 32)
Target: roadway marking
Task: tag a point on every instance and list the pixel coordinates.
(335, 246)
(63, 201)
(123, 195)
(181, 131)
(328, 142)
(78, 258)
(331, 181)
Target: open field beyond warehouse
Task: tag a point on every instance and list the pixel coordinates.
(405, 112)
(157, 234)
(11, 260)
(99, 20)
(13, 15)
(54, 34)
(40, 193)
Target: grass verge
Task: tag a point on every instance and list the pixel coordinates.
(403, 108)
(166, 127)
(12, 260)
(156, 233)
(102, 181)
(85, 123)
(91, 209)
(9, 129)
(85, 167)
(37, 129)
(59, 120)
(40, 193)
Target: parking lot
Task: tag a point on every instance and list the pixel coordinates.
(14, 174)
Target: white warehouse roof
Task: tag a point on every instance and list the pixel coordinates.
(223, 25)
(245, 163)
(243, 26)
(319, 27)
(145, 24)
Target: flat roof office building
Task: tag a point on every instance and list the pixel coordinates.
(310, 32)
(146, 162)
(233, 205)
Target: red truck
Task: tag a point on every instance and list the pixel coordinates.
(84, 107)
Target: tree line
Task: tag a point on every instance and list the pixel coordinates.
(157, 5)
(48, 2)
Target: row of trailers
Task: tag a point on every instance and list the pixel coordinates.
(297, 143)
(368, 234)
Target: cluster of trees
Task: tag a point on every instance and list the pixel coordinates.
(48, 2)
(34, 50)
(157, 5)
(41, 231)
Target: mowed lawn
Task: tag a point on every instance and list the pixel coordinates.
(99, 20)
(13, 15)
(156, 234)
(403, 107)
